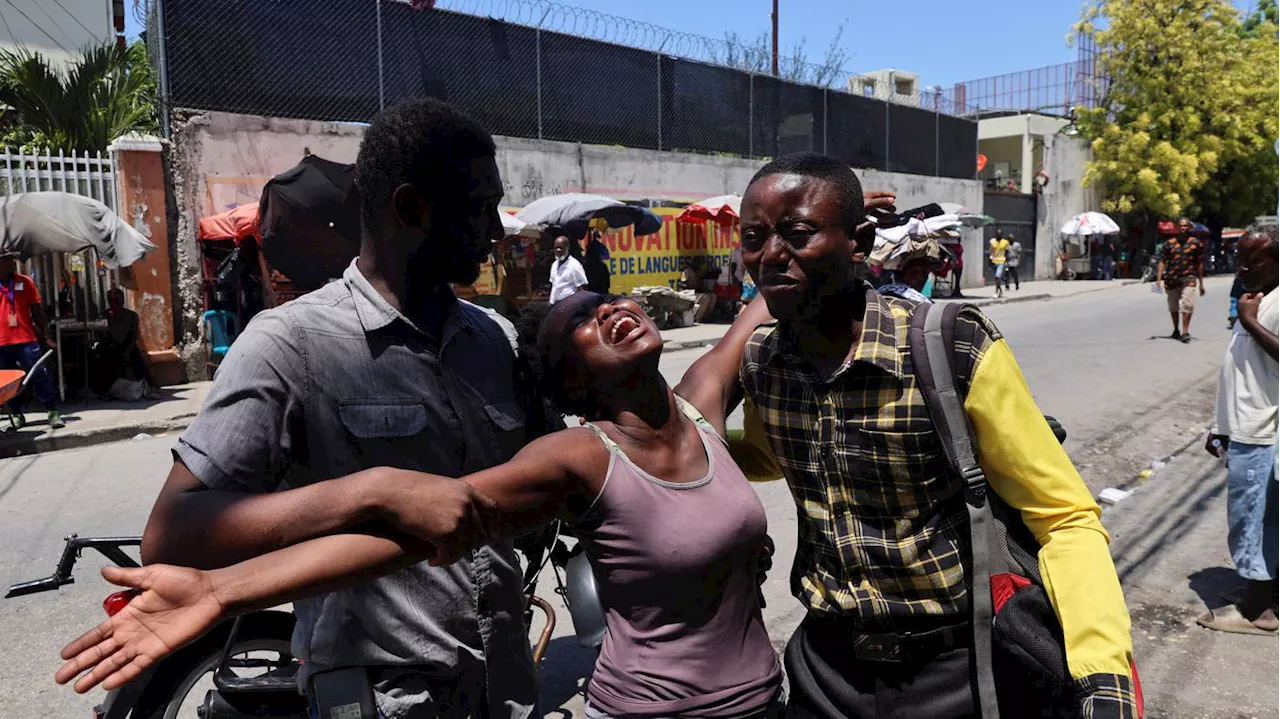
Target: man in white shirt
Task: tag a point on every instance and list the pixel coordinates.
(567, 275)
(1244, 427)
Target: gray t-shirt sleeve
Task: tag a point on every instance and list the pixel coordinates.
(244, 436)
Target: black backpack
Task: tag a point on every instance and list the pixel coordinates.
(1019, 651)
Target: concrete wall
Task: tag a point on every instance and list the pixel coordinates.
(221, 160)
(1064, 197)
(149, 286)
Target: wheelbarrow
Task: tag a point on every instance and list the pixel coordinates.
(13, 382)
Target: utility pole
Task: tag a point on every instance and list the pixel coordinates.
(775, 37)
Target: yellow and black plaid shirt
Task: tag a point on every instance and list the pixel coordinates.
(867, 470)
(883, 532)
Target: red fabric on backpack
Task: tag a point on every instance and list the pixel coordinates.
(1003, 587)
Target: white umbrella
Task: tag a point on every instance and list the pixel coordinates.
(1091, 223)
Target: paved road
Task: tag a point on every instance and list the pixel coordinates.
(1095, 361)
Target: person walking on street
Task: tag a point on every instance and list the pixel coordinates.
(595, 263)
(1237, 291)
(1013, 258)
(382, 368)
(999, 258)
(23, 339)
(567, 274)
(1109, 251)
(1180, 272)
(882, 558)
(1244, 431)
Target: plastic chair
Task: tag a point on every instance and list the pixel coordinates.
(220, 329)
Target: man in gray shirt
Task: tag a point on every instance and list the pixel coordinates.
(382, 368)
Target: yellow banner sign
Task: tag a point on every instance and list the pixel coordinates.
(658, 259)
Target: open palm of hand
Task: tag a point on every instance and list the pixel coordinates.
(176, 606)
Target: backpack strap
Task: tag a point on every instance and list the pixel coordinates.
(932, 340)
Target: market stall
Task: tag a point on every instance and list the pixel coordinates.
(73, 246)
(1075, 260)
(528, 258)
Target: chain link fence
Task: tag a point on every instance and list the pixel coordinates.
(533, 69)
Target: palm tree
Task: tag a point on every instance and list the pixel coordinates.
(108, 91)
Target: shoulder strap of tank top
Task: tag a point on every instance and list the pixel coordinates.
(689, 411)
(692, 413)
(608, 443)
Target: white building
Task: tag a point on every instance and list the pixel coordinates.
(1014, 147)
(891, 85)
(59, 29)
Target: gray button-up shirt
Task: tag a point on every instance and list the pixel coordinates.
(338, 381)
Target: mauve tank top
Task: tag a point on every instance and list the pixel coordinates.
(677, 574)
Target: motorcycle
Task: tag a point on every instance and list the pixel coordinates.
(1149, 269)
(164, 689)
(244, 668)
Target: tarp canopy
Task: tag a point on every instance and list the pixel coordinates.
(723, 210)
(42, 223)
(574, 211)
(234, 224)
(1165, 227)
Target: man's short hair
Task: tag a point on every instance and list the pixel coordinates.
(425, 143)
(1264, 232)
(821, 167)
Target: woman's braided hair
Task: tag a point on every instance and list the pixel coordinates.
(542, 370)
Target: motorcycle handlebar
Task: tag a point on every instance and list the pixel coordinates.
(109, 547)
(35, 586)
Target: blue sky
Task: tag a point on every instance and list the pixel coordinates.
(944, 41)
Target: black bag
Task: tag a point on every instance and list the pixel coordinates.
(1019, 650)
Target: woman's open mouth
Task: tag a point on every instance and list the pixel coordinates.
(625, 328)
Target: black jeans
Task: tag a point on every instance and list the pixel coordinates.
(827, 682)
(1011, 273)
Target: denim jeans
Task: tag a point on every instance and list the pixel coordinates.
(1252, 510)
(22, 357)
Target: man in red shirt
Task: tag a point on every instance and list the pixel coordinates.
(23, 323)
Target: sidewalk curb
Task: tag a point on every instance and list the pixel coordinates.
(674, 345)
(989, 301)
(1136, 483)
(54, 440)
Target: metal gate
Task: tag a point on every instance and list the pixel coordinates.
(1014, 214)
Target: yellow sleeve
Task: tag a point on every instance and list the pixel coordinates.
(750, 447)
(1031, 472)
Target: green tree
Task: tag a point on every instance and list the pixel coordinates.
(1267, 11)
(106, 92)
(1190, 110)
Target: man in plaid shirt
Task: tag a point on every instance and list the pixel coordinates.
(883, 532)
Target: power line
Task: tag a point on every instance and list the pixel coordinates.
(56, 24)
(73, 17)
(6, 25)
(38, 27)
